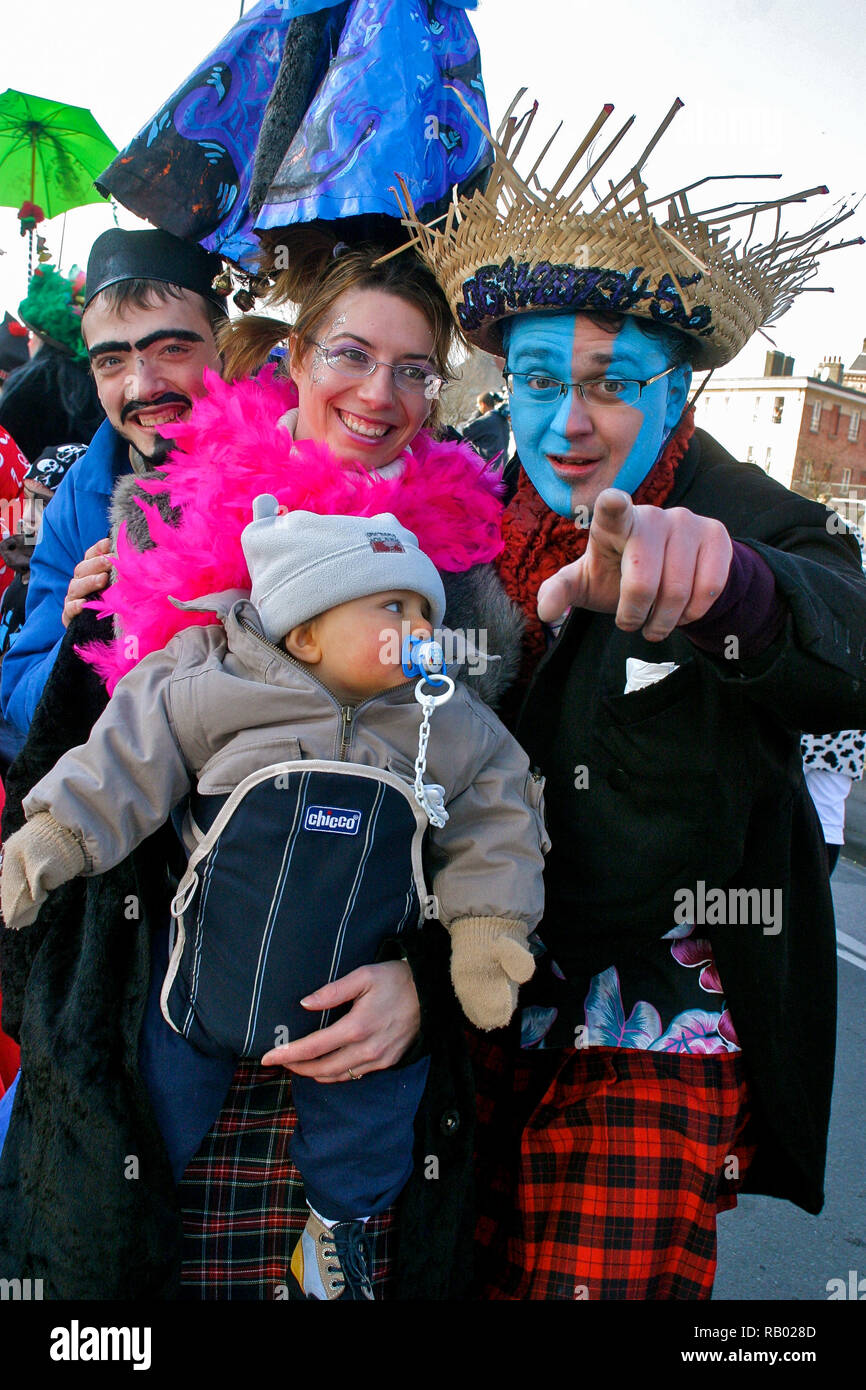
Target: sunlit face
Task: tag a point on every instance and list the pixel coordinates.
(366, 420)
(148, 363)
(572, 449)
(354, 647)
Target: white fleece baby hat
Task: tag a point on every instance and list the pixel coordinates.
(301, 564)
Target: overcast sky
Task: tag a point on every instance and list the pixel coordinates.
(770, 86)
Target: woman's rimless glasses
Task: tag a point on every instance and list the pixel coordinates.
(408, 376)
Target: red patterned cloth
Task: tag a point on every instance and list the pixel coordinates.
(13, 466)
(601, 1171)
(10, 1060)
(243, 1198)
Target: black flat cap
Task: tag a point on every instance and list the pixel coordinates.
(119, 255)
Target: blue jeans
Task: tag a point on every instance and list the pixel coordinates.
(353, 1144)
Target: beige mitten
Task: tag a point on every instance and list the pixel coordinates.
(489, 959)
(37, 858)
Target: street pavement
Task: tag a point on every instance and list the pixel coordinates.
(769, 1249)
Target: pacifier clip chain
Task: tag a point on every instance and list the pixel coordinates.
(423, 657)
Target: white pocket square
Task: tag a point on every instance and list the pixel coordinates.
(640, 673)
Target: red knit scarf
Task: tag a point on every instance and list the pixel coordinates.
(538, 541)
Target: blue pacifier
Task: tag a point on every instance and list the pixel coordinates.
(421, 656)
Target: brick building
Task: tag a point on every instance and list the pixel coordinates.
(808, 432)
(855, 375)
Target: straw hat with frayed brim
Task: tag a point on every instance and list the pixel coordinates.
(518, 247)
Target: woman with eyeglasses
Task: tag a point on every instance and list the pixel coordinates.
(346, 423)
(352, 404)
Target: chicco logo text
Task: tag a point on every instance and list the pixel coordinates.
(332, 818)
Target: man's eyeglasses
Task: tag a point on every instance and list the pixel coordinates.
(536, 386)
(408, 376)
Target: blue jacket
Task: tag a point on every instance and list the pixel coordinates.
(76, 519)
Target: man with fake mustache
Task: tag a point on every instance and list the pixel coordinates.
(148, 324)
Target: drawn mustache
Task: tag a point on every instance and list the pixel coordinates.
(170, 398)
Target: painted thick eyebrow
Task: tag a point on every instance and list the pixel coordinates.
(183, 335)
(363, 342)
(108, 346)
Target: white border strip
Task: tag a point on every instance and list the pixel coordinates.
(855, 960)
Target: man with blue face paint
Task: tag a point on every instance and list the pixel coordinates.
(594, 402)
(574, 442)
(685, 617)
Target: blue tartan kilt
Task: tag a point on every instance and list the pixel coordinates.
(301, 874)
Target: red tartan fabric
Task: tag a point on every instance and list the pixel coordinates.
(243, 1198)
(603, 1171)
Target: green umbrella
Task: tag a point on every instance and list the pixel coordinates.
(50, 153)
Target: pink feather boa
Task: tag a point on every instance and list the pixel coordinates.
(229, 451)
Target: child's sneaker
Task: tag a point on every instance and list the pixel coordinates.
(333, 1263)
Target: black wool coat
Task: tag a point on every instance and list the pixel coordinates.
(699, 778)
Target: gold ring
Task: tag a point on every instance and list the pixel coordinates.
(353, 1075)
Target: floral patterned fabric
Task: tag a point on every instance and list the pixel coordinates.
(666, 998)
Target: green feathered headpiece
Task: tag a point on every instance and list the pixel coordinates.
(53, 309)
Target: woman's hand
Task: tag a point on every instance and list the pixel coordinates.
(381, 1024)
(89, 576)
